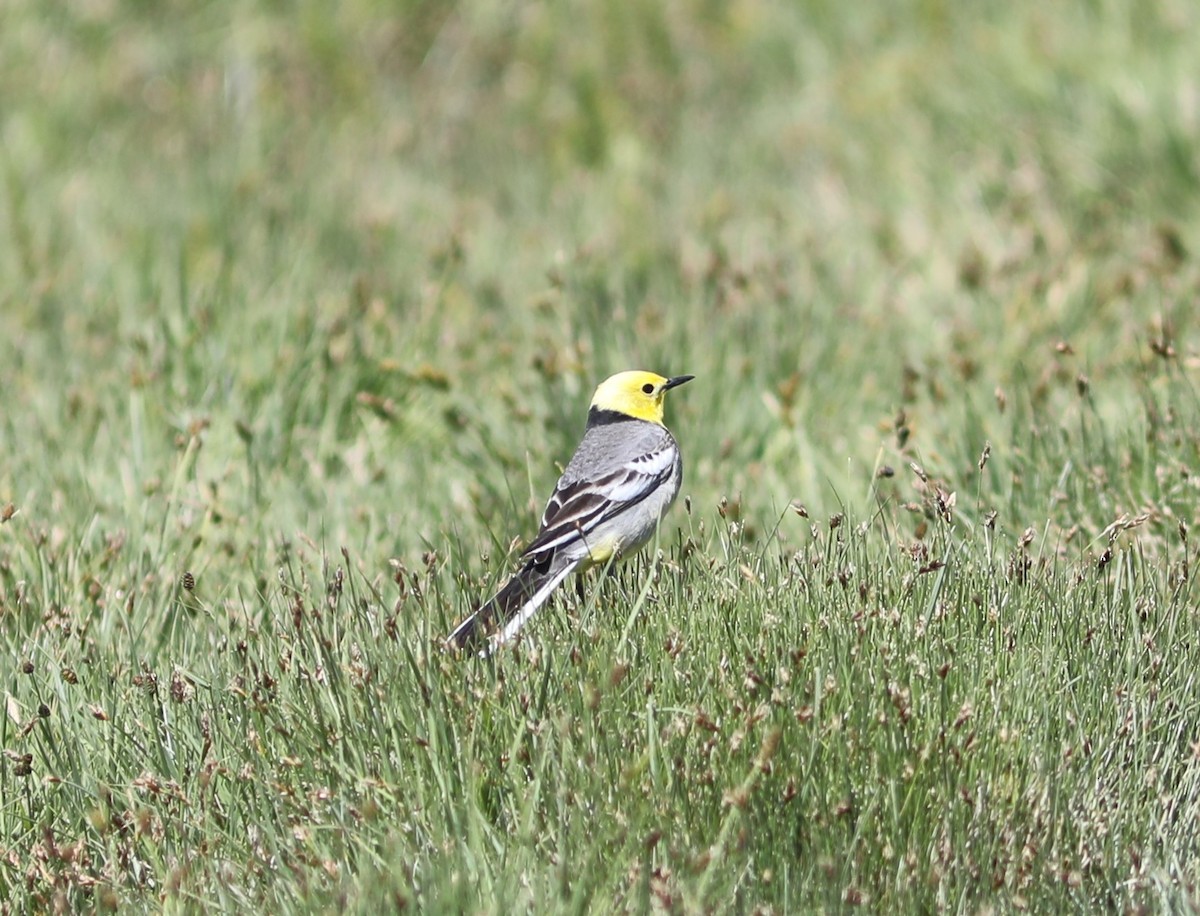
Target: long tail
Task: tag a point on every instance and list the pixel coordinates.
(502, 616)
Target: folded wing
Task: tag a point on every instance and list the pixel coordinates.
(578, 507)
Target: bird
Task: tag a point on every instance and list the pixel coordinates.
(620, 482)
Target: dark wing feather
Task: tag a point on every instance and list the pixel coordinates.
(578, 506)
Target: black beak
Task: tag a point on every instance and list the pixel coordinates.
(676, 381)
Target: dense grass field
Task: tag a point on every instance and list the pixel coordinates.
(301, 307)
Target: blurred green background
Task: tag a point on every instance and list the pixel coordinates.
(399, 246)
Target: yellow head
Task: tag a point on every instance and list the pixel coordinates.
(634, 394)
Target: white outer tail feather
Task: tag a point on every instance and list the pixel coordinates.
(513, 624)
(528, 609)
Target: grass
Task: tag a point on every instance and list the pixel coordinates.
(300, 309)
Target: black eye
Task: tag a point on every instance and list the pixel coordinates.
(648, 388)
